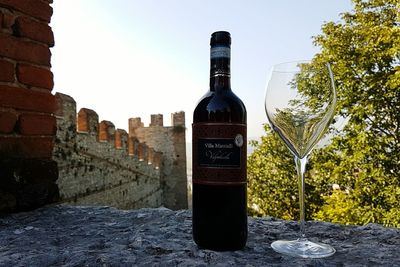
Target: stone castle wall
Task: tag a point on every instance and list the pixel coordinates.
(171, 142)
(101, 165)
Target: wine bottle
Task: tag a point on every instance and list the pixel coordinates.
(219, 197)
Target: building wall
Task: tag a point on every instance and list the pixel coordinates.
(101, 165)
(27, 172)
(171, 142)
(95, 164)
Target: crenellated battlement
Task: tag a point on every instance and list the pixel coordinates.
(178, 119)
(99, 164)
(135, 123)
(170, 140)
(87, 123)
(157, 120)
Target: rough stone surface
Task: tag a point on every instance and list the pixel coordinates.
(103, 236)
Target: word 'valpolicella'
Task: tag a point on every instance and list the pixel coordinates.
(219, 158)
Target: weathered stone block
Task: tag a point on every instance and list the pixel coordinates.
(66, 107)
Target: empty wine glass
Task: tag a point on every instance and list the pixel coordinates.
(300, 101)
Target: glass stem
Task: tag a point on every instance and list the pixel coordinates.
(301, 167)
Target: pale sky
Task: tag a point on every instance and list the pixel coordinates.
(134, 58)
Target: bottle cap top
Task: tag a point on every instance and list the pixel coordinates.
(221, 37)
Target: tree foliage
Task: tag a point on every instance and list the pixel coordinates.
(272, 186)
(362, 160)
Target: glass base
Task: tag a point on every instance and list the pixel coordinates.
(303, 248)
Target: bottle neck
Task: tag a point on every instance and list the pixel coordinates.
(220, 71)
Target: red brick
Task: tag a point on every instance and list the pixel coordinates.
(88, 120)
(38, 9)
(25, 99)
(36, 124)
(8, 21)
(34, 76)
(29, 28)
(106, 131)
(120, 138)
(8, 120)
(18, 49)
(26, 147)
(7, 71)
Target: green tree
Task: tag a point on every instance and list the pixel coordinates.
(363, 159)
(272, 186)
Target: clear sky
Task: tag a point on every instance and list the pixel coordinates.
(134, 58)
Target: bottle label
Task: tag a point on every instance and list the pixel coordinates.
(219, 153)
(220, 52)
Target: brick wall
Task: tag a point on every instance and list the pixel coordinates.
(27, 123)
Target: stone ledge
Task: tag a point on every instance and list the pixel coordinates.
(103, 236)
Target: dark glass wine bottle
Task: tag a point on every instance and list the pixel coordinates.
(219, 197)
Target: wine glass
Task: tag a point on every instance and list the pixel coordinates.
(300, 101)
